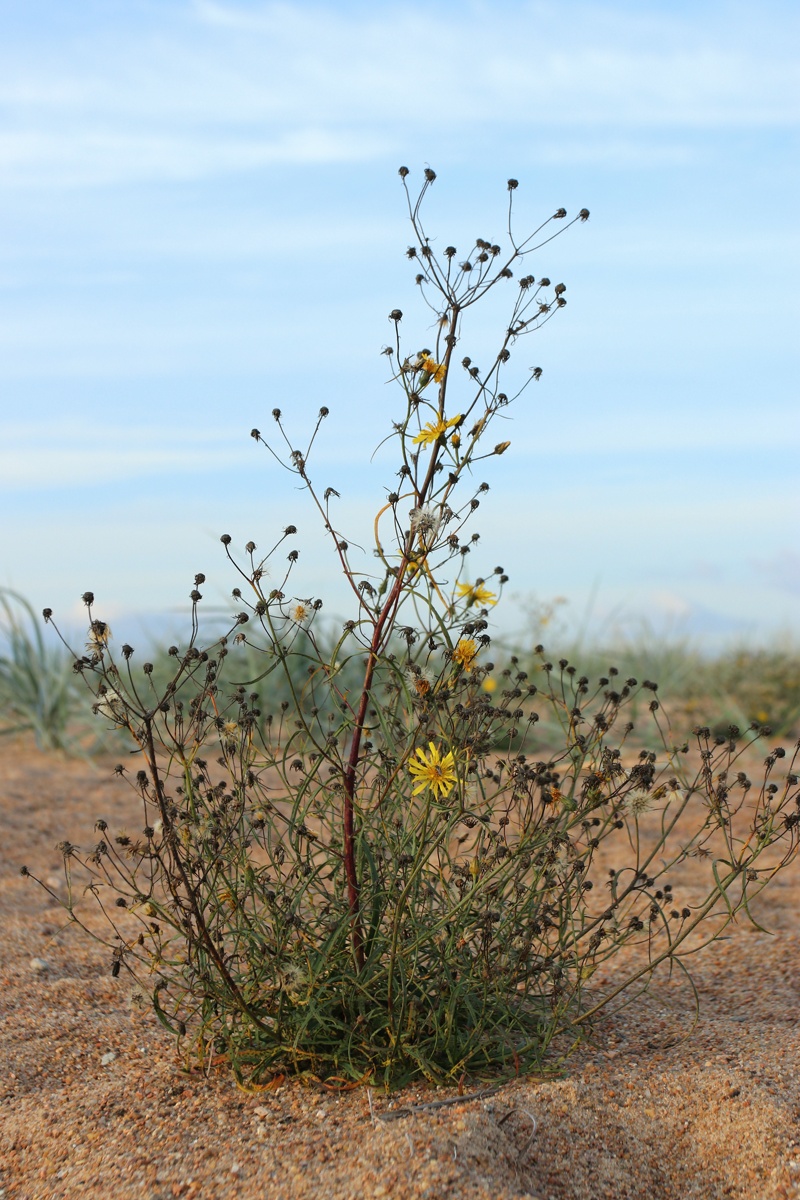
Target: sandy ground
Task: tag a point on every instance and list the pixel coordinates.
(95, 1104)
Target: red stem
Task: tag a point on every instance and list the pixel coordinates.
(387, 612)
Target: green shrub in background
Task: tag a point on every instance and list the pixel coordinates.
(733, 686)
(39, 690)
(365, 863)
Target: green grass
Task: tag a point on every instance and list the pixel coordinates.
(738, 685)
(39, 691)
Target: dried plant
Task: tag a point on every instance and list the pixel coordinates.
(381, 869)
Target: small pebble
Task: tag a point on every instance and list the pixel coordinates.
(39, 965)
(107, 1058)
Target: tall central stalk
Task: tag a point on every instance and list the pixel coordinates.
(380, 635)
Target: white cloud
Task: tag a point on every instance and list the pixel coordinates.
(79, 455)
(230, 89)
(95, 156)
(781, 571)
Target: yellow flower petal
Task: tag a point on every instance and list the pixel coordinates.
(433, 771)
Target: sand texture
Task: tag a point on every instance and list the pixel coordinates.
(95, 1103)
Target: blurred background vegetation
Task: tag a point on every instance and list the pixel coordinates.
(42, 696)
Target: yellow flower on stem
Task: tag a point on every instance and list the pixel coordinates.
(431, 371)
(464, 653)
(476, 594)
(431, 432)
(433, 771)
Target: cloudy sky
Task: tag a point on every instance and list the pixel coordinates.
(201, 218)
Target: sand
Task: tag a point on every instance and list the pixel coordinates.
(95, 1103)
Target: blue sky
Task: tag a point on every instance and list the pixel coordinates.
(200, 218)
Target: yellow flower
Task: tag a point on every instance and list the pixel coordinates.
(431, 432)
(489, 685)
(465, 652)
(432, 771)
(476, 594)
(435, 371)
